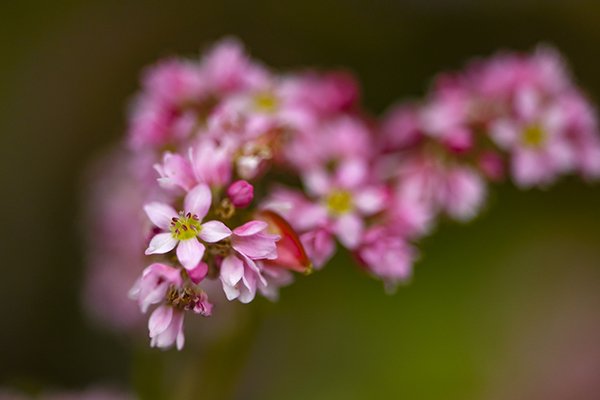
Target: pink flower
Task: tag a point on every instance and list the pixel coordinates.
(581, 126)
(401, 128)
(174, 81)
(158, 115)
(407, 216)
(346, 197)
(240, 193)
(457, 190)
(536, 139)
(445, 117)
(464, 193)
(166, 327)
(240, 277)
(334, 140)
(153, 285)
(184, 228)
(240, 274)
(175, 172)
(386, 256)
(212, 162)
(323, 93)
(227, 68)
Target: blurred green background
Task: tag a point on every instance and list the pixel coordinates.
(505, 307)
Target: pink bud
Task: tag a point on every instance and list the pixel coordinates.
(199, 273)
(240, 193)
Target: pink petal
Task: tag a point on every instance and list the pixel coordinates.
(349, 229)
(370, 201)
(527, 103)
(504, 133)
(257, 246)
(317, 182)
(351, 173)
(180, 338)
(213, 231)
(160, 214)
(161, 244)
(246, 296)
(250, 228)
(250, 265)
(172, 333)
(198, 200)
(190, 253)
(309, 217)
(160, 320)
(231, 292)
(232, 270)
(530, 168)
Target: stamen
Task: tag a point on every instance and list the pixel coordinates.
(186, 226)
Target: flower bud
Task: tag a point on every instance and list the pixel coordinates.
(240, 193)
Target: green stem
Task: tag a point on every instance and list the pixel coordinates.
(214, 372)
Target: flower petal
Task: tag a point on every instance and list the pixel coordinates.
(351, 173)
(256, 247)
(161, 244)
(370, 200)
(160, 214)
(231, 292)
(213, 231)
(232, 270)
(198, 200)
(160, 320)
(190, 253)
(250, 228)
(349, 229)
(317, 182)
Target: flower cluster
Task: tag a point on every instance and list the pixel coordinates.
(248, 176)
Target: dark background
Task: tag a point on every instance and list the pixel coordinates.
(503, 308)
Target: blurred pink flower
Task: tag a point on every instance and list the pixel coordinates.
(386, 255)
(456, 190)
(153, 285)
(175, 172)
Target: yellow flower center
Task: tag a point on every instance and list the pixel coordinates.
(266, 102)
(185, 226)
(534, 136)
(339, 202)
